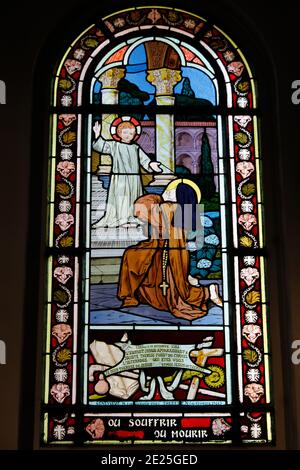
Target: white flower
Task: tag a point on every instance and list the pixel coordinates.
(119, 22)
(190, 24)
(61, 375)
(249, 260)
(63, 259)
(253, 375)
(59, 432)
(251, 316)
(229, 56)
(204, 263)
(64, 206)
(79, 54)
(206, 221)
(191, 246)
(244, 154)
(62, 315)
(66, 100)
(247, 206)
(255, 430)
(66, 154)
(242, 102)
(212, 240)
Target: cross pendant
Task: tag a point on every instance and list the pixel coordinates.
(164, 286)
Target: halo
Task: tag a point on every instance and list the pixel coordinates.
(119, 120)
(193, 185)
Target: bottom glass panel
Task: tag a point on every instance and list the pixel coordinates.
(151, 428)
(159, 428)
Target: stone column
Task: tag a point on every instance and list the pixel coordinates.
(164, 80)
(110, 95)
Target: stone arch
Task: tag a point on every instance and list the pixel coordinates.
(184, 139)
(146, 140)
(187, 161)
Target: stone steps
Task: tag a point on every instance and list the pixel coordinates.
(105, 270)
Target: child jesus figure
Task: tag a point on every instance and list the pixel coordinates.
(125, 182)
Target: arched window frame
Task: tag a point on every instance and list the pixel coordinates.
(239, 251)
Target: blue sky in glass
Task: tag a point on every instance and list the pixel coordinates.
(200, 82)
(97, 87)
(136, 72)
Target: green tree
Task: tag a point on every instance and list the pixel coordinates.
(206, 178)
(187, 89)
(132, 95)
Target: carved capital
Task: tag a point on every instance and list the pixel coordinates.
(164, 80)
(111, 77)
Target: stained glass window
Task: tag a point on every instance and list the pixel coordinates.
(156, 312)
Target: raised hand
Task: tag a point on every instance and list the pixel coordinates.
(97, 129)
(156, 167)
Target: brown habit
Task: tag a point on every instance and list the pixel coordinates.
(142, 273)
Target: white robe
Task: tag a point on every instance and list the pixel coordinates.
(125, 182)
